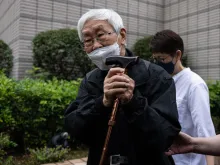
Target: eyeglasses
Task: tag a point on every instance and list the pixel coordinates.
(101, 37)
(158, 59)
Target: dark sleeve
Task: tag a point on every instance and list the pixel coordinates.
(85, 115)
(154, 120)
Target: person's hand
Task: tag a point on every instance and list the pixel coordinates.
(182, 144)
(117, 84)
(128, 94)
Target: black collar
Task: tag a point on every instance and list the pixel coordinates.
(139, 73)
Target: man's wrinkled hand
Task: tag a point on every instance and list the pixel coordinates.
(128, 94)
(117, 84)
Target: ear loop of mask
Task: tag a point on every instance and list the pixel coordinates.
(176, 58)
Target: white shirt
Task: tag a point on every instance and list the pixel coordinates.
(192, 96)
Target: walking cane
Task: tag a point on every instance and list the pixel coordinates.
(124, 62)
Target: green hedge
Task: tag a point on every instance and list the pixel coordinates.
(6, 58)
(5, 144)
(60, 53)
(32, 110)
(141, 48)
(214, 92)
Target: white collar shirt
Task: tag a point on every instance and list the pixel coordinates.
(192, 96)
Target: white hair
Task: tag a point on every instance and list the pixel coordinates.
(109, 15)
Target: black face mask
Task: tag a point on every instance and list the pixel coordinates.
(169, 67)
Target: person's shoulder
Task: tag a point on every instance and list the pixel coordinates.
(195, 80)
(92, 73)
(156, 70)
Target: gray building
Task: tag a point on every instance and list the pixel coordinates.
(197, 21)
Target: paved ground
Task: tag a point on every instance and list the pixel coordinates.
(217, 160)
(81, 161)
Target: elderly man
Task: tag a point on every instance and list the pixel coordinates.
(147, 120)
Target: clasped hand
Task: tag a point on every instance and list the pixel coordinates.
(117, 85)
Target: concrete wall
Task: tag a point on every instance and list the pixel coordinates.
(198, 23)
(21, 20)
(9, 28)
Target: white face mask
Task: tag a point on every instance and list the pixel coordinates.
(98, 56)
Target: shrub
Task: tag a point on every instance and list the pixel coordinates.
(49, 155)
(141, 48)
(32, 110)
(60, 53)
(214, 93)
(38, 73)
(7, 94)
(26, 159)
(6, 58)
(216, 122)
(5, 143)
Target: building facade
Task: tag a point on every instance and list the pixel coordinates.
(197, 21)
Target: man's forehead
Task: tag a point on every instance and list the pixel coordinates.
(93, 25)
(92, 28)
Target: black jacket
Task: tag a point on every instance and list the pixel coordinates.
(145, 127)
